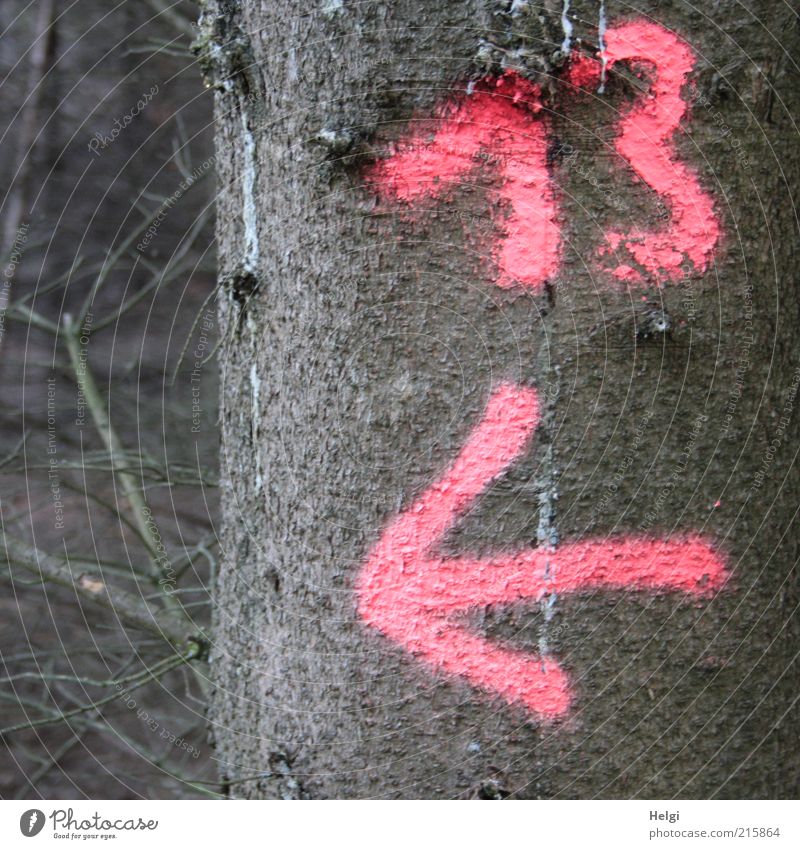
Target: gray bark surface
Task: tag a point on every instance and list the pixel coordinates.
(360, 351)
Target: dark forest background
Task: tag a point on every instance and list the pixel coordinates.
(106, 184)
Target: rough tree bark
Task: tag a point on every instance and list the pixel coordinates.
(361, 348)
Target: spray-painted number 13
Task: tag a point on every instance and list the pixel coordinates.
(502, 121)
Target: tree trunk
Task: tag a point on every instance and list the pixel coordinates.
(368, 333)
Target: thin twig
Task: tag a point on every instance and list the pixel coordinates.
(213, 294)
(51, 761)
(171, 14)
(15, 451)
(73, 679)
(22, 313)
(127, 606)
(118, 735)
(153, 673)
(110, 263)
(128, 483)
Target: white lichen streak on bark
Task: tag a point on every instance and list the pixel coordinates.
(601, 43)
(332, 7)
(255, 383)
(249, 169)
(566, 25)
(547, 535)
(252, 251)
(546, 531)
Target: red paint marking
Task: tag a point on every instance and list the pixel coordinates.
(499, 119)
(645, 141)
(410, 594)
(582, 72)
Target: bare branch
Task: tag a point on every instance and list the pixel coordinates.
(151, 674)
(22, 313)
(128, 607)
(41, 57)
(168, 11)
(128, 483)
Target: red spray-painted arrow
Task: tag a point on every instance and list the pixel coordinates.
(410, 594)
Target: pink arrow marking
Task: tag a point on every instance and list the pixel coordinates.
(411, 595)
(645, 142)
(499, 118)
